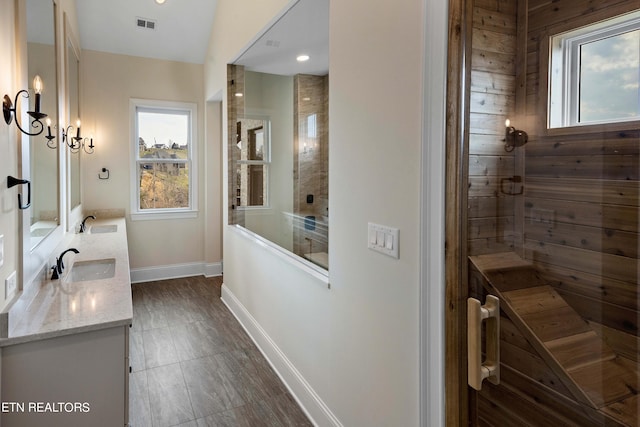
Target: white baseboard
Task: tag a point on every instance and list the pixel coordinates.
(313, 406)
(164, 272)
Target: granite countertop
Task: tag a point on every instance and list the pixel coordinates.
(61, 307)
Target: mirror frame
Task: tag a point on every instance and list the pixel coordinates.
(73, 213)
(33, 260)
(52, 97)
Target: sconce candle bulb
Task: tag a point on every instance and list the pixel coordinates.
(513, 137)
(78, 129)
(37, 88)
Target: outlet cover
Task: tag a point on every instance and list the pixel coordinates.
(10, 286)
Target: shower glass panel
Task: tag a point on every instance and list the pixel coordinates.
(280, 125)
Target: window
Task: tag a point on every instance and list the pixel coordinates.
(594, 74)
(163, 168)
(252, 166)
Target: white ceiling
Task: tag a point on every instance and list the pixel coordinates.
(303, 29)
(182, 32)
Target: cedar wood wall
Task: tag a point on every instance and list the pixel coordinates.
(578, 217)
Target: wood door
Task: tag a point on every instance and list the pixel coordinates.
(549, 227)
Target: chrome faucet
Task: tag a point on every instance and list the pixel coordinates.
(59, 267)
(82, 224)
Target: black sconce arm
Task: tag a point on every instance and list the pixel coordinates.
(9, 110)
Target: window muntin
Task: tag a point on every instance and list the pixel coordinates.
(163, 167)
(595, 73)
(252, 168)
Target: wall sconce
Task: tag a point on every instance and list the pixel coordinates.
(9, 108)
(49, 136)
(75, 143)
(513, 137)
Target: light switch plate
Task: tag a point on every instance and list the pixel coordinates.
(384, 239)
(1, 250)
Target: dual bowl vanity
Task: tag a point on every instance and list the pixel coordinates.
(65, 345)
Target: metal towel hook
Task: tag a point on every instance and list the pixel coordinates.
(12, 182)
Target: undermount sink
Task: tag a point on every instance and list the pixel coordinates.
(110, 228)
(93, 270)
(40, 232)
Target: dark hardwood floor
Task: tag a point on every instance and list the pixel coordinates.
(194, 366)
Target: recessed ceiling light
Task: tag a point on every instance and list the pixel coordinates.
(160, 1)
(302, 58)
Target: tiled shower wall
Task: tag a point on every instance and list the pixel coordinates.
(311, 162)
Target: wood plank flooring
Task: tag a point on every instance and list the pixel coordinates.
(194, 366)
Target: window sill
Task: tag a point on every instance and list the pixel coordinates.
(149, 216)
(632, 125)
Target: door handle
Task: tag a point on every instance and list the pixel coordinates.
(476, 369)
(12, 182)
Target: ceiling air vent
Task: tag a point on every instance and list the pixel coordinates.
(149, 24)
(273, 43)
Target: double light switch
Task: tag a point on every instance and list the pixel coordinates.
(384, 239)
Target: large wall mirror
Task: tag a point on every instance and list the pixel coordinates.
(72, 61)
(278, 123)
(41, 51)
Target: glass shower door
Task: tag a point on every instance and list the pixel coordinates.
(551, 227)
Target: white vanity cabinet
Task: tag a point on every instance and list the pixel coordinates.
(65, 358)
(72, 380)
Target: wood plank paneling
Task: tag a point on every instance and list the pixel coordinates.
(492, 41)
(596, 239)
(612, 316)
(501, 63)
(490, 165)
(489, 207)
(596, 263)
(492, 20)
(584, 190)
(487, 82)
(566, 12)
(626, 345)
(490, 103)
(605, 143)
(624, 167)
(532, 366)
(614, 217)
(617, 292)
(490, 227)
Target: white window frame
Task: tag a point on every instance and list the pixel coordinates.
(564, 69)
(265, 162)
(191, 211)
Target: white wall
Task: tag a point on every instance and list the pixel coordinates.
(350, 353)
(108, 82)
